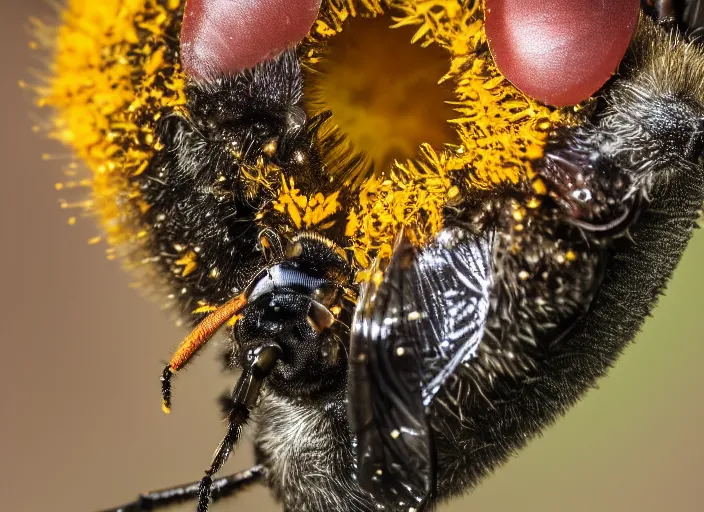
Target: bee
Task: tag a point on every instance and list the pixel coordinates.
(403, 322)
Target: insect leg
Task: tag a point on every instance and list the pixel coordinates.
(666, 12)
(259, 364)
(687, 15)
(221, 488)
(693, 20)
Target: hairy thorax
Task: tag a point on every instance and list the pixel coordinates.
(307, 453)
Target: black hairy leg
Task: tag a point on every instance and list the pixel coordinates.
(685, 15)
(664, 10)
(693, 20)
(259, 364)
(220, 488)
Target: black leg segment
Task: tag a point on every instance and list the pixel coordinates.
(220, 488)
(259, 364)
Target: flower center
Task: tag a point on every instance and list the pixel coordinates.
(383, 91)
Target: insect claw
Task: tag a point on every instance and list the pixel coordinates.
(166, 389)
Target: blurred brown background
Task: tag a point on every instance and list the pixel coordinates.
(81, 426)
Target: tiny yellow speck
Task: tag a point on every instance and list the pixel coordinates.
(539, 187)
(232, 321)
(270, 147)
(533, 203)
(188, 262)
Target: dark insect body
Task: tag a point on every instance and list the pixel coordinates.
(394, 373)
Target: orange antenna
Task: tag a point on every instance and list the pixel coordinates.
(198, 337)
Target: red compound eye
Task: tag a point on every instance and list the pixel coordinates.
(559, 52)
(223, 37)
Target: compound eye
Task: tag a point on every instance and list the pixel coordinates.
(559, 52)
(224, 37)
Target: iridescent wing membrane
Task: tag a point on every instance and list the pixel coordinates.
(412, 328)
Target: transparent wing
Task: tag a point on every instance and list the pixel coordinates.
(412, 327)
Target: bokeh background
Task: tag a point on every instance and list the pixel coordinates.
(80, 420)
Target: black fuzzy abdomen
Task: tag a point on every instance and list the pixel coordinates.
(636, 274)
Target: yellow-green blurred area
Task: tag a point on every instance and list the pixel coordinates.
(80, 421)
